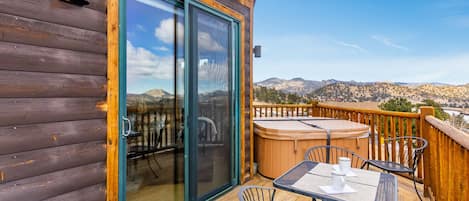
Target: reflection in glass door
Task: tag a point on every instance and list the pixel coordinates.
(211, 85)
(154, 100)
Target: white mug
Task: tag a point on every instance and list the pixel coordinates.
(345, 164)
(337, 180)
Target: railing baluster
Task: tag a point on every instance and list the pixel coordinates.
(372, 133)
(401, 141)
(409, 142)
(393, 135)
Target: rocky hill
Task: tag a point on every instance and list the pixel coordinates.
(352, 91)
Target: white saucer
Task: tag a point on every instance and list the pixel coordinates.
(331, 190)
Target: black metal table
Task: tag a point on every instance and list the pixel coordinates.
(387, 187)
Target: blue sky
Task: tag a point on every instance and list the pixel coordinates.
(408, 41)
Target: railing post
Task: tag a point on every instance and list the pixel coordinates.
(425, 129)
(315, 108)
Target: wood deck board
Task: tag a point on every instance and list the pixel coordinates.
(406, 190)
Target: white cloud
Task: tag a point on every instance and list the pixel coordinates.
(161, 48)
(143, 63)
(386, 41)
(206, 42)
(350, 45)
(165, 31)
(141, 28)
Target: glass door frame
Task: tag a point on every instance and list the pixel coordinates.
(190, 185)
(190, 92)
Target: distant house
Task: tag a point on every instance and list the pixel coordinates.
(124, 99)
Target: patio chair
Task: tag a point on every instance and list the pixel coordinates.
(409, 166)
(331, 154)
(256, 193)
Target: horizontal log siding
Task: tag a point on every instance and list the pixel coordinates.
(53, 85)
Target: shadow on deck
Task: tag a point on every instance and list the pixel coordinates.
(406, 190)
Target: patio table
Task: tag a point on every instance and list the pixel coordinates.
(385, 187)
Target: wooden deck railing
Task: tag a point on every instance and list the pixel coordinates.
(158, 125)
(446, 161)
(383, 124)
(282, 110)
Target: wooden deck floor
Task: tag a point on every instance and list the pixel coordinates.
(406, 191)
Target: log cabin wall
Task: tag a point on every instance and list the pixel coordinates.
(53, 68)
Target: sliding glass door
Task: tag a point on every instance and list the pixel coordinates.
(179, 101)
(211, 86)
(154, 96)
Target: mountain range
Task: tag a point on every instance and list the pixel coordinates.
(353, 91)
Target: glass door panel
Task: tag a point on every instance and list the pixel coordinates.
(211, 56)
(154, 100)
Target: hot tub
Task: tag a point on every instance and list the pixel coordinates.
(280, 143)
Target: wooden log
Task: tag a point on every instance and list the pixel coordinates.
(56, 11)
(99, 5)
(38, 136)
(22, 111)
(17, 84)
(40, 59)
(112, 99)
(92, 193)
(54, 184)
(34, 32)
(42, 161)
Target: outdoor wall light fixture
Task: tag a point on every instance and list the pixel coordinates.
(257, 51)
(77, 2)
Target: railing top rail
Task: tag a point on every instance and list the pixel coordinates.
(457, 135)
(370, 111)
(283, 105)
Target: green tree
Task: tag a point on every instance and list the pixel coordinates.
(439, 113)
(397, 104)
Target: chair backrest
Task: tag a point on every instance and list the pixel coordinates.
(331, 154)
(256, 193)
(407, 150)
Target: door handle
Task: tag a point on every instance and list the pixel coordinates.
(127, 132)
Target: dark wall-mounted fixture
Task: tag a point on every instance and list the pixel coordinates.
(257, 51)
(77, 2)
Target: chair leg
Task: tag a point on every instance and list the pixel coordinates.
(156, 161)
(415, 186)
(153, 171)
(365, 163)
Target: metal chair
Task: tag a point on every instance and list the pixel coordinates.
(408, 160)
(256, 193)
(331, 154)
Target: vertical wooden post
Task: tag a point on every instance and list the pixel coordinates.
(425, 129)
(315, 108)
(112, 160)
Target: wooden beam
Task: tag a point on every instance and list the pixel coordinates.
(23, 111)
(91, 193)
(34, 163)
(251, 90)
(20, 84)
(19, 57)
(425, 128)
(57, 12)
(30, 137)
(53, 184)
(23, 30)
(112, 161)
